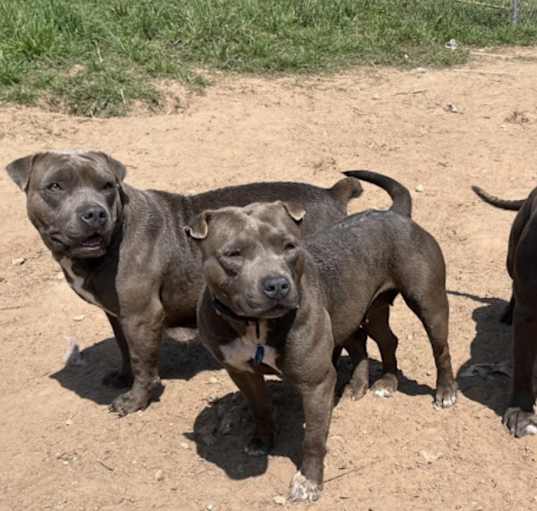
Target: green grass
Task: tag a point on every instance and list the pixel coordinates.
(96, 57)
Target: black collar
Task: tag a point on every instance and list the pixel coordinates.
(224, 311)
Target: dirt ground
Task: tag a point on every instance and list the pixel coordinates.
(62, 449)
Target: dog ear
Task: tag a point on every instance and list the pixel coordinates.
(20, 170)
(199, 228)
(295, 211)
(117, 168)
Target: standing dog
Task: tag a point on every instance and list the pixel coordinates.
(520, 418)
(125, 249)
(275, 304)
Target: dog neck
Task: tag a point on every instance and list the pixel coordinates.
(225, 312)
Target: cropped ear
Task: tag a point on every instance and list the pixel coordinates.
(117, 168)
(20, 170)
(295, 211)
(199, 228)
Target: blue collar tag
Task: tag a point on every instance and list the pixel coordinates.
(259, 354)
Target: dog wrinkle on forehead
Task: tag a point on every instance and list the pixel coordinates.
(270, 231)
(236, 227)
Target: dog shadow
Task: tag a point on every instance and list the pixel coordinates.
(182, 356)
(486, 376)
(224, 427)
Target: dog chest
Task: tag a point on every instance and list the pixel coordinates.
(77, 284)
(249, 350)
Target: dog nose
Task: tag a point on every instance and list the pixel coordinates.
(94, 216)
(276, 287)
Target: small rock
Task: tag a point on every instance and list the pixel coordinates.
(278, 499)
(450, 107)
(429, 457)
(17, 261)
(79, 317)
(420, 188)
(184, 445)
(420, 70)
(213, 380)
(210, 507)
(59, 275)
(159, 475)
(68, 422)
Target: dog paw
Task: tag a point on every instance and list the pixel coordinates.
(258, 447)
(355, 391)
(129, 402)
(117, 379)
(303, 490)
(386, 386)
(520, 423)
(446, 396)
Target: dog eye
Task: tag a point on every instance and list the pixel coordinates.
(108, 186)
(289, 246)
(54, 187)
(233, 252)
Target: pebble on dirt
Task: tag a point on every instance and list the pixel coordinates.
(278, 499)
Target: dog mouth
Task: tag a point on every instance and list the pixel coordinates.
(272, 311)
(90, 245)
(277, 311)
(94, 241)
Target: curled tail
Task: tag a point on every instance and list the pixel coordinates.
(346, 189)
(402, 201)
(513, 205)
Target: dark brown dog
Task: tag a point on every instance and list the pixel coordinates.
(125, 249)
(520, 418)
(276, 304)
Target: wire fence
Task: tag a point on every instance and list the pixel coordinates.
(517, 11)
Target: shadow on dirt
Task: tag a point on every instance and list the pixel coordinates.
(486, 376)
(181, 358)
(224, 426)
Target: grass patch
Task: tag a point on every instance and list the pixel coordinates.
(96, 57)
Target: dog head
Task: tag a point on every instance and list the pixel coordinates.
(73, 199)
(252, 257)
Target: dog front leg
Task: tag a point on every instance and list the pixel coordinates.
(123, 377)
(254, 389)
(142, 331)
(318, 400)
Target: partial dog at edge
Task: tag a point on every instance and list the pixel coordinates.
(125, 249)
(277, 304)
(520, 418)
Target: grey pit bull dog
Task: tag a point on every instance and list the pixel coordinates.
(277, 304)
(125, 250)
(520, 418)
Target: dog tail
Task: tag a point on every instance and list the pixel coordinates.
(402, 201)
(346, 189)
(513, 205)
